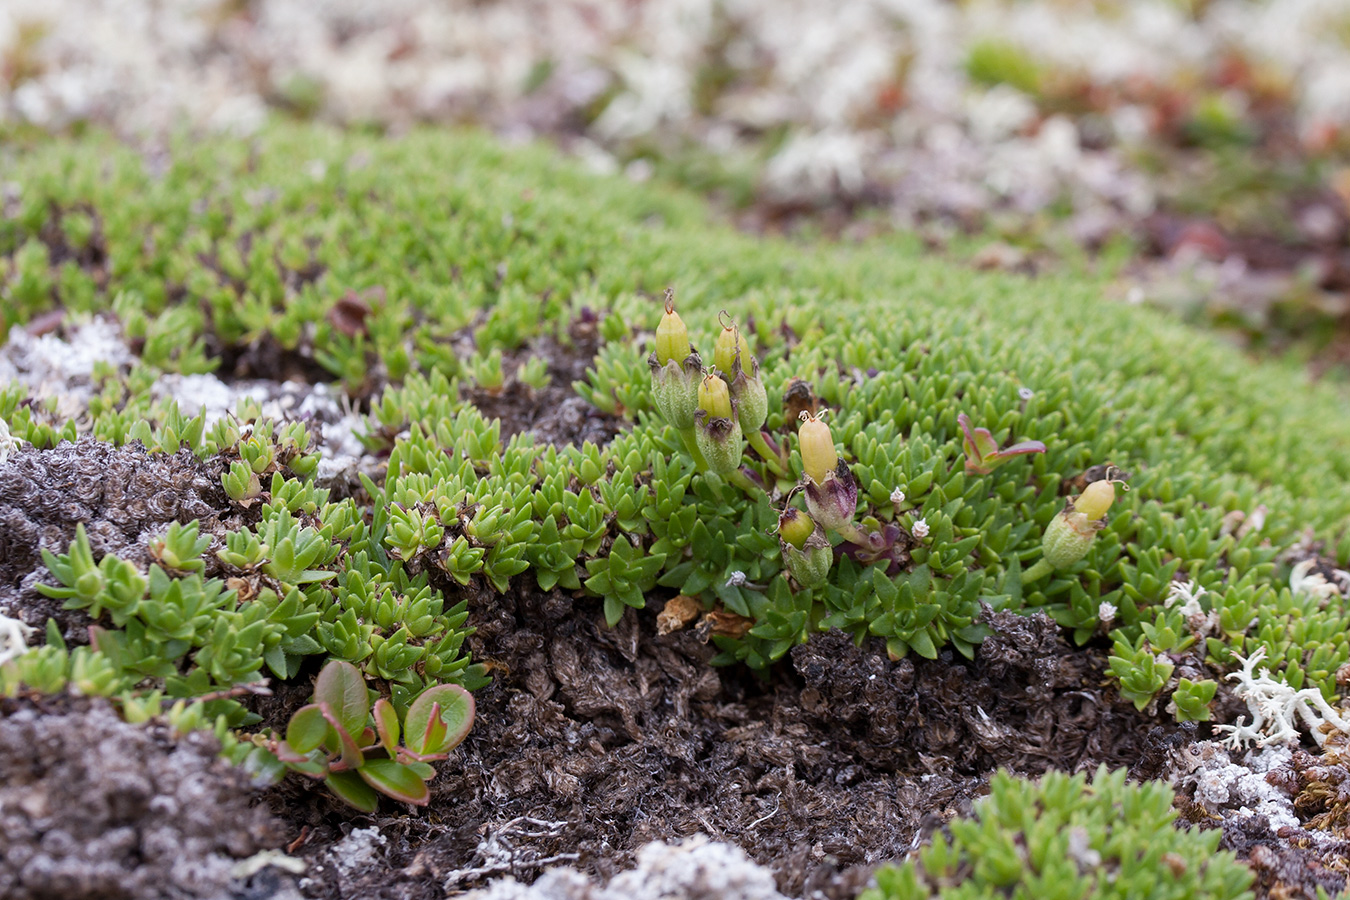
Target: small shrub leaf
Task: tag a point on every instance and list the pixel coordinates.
(393, 779)
(342, 688)
(307, 729)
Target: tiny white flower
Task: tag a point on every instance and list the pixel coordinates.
(1106, 612)
(14, 636)
(897, 496)
(1025, 393)
(920, 529)
(737, 579)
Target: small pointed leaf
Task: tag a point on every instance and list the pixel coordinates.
(386, 723)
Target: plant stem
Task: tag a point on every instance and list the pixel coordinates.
(1037, 572)
(742, 481)
(770, 457)
(855, 535)
(690, 444)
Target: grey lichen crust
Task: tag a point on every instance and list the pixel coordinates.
(91, 807)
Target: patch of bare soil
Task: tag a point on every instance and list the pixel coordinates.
(593, 741)
(553, 414)
(91, 807)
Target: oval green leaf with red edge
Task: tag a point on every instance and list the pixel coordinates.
(341, 686)
(429, 733)
(386, 725)
(351, 754)
(393, 779)
(353, 790)
(307, 728)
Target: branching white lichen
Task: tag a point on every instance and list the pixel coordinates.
(14, 636)
(1302, 580)
(8, 443)
(1277, 709)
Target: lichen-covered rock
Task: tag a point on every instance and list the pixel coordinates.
(694, 869)
(121, 494)
(91, 807)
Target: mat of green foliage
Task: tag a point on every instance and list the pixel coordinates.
(480, 255)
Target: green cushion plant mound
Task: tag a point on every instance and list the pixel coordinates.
(1063, 838)
(951, 417)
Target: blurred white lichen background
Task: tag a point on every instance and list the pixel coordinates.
(931, 96)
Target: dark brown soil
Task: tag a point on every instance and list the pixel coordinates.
(553, 414)
(594, 741)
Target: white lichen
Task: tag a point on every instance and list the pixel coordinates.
(694, 869)
(1277, 709)
(1302, 580)
(1233, 786)
(14, 637)
(8, 443)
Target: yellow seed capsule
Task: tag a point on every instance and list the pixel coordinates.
(817, 444)
(713, 396)
(724, 351)
(795, 527)
(1096, 499)
(672, 338)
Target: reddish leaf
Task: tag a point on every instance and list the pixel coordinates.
(349, 314)
(351, 754)
(438, 720)
(386, 723)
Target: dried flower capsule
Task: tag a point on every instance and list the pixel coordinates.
(731, 353)
(1096, 499)
(676, 368)
(1070, 534)
(714, 397)
(817, 445)
(806, 553)
(795, 527)
(717, 430)
(672, 337)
